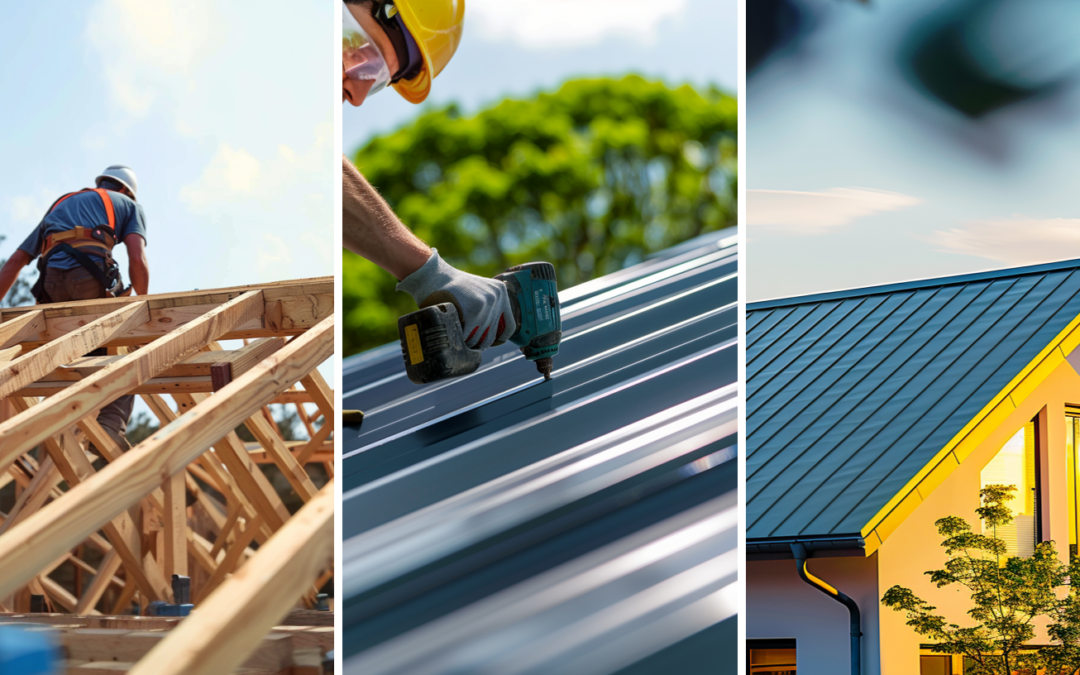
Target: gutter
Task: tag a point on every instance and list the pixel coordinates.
(798, 550)
(821, 547)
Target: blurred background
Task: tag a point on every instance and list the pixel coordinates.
(901, 139)
(587, 133)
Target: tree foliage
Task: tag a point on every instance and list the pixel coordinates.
(592, 177)
(1008, 594)
(20, 290)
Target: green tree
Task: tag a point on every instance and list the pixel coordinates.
(20, 291)
(1008, 594)
(592, 177)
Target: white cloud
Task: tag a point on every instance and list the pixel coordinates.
(1019, 240)
(149, 49)
(816, 212)
(273, 256)
(231, 175)
(25, 211)
(264, 178)
(555, 23)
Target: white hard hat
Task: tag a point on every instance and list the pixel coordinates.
(121, 174)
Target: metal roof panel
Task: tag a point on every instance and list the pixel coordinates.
(850, 394)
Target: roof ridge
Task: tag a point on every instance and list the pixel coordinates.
(915, 284)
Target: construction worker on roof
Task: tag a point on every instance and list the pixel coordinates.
(74, 244)
(406, 44)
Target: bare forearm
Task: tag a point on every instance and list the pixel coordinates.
(139, 271)
(370, 228)
(10, 271)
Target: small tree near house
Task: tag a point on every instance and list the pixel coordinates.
(1008, 594)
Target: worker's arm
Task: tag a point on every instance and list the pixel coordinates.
(371, 230)
(138, 267)
(10, 271)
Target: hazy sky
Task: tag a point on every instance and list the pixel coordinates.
(854, 178)
(225, 114)
(517, 47)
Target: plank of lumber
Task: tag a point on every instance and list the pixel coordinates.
(233, 558)
(34, 365)
(20, 328)
(304, 455)
(231, 623)
(196, 365)
(275, 447)
(68, 456)
(321, 393)
(302, 304)
(63, 523)
(249, 478)
(35, 494)
(29, 428)
(175, 513)
(108, 567)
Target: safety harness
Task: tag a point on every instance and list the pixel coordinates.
(79, 241)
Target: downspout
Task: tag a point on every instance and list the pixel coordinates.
(799, 551)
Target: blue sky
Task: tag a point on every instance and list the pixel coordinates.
(223, 109)
(517, 47)
(854, 178)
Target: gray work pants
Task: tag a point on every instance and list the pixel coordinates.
(79, 284)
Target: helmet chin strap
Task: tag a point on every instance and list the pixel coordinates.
(409, 59)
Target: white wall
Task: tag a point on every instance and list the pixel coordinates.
(781, 605)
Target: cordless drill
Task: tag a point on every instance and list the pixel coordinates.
(433, 339)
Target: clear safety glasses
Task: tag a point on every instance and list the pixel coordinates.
(360, 58)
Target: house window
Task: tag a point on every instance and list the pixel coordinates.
(1072, 434)
(936, 664)
(1015, 464)
(770, 657)
(933, 663)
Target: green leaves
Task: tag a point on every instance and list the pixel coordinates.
(1008, 595)
(592, 177)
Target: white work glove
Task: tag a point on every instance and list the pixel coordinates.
(482, 304)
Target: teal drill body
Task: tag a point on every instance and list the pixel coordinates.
(433, 342)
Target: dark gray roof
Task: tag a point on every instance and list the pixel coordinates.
(850, 394)
(463, 495)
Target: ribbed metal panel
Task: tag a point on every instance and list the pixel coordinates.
(850, 394)
(483, 515)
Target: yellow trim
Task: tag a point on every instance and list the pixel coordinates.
(885, 521)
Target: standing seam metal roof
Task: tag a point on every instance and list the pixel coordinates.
(850, 394)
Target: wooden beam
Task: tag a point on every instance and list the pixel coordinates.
(108, 567)
(232, 559)
(30, 367)
(316, 442)
(196, 365)
(233, 621)
(302, 304)
(120, 530)
(275, 447)
(29, 428)
(175, 514)
(20, 328)
(65, 522)
(321, 393)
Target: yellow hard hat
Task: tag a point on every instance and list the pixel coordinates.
(436, 26)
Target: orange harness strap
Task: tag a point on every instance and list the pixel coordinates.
(85, 236)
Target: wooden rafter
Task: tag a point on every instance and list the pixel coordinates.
(96, 527)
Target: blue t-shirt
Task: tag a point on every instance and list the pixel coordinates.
(86, 210)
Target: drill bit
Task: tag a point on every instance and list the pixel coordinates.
(545, 366)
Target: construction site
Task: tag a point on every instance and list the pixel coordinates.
(208, 546)
(508, 522)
